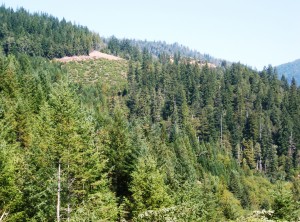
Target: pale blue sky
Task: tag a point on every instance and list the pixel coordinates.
(254, 32)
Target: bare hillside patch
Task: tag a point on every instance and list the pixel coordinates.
(92, 55)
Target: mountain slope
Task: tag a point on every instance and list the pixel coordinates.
(290, 70)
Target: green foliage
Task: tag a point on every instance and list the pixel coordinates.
(284, 206)
(99, 205)
(248, 153)
(148, 189)
(193, 202)
(197, 202)
(121, 153)
(10, 182)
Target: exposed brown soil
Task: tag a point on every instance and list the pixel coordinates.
(92, 55)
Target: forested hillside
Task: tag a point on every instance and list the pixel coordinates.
(148, 139)
(43, 35)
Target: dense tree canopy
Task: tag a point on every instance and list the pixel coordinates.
(43, 35)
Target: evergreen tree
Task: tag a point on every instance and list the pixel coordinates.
(149, 191)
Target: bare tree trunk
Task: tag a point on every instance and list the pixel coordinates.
(68, 212)
(238, 155)
(260, 125)
(69, 186)
(265, 166)
(260, 164)
(221, 130)
(58, 195)
(3, 216)
(68, 209)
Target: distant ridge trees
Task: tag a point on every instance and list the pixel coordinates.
(158, 49)
(290, 70)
